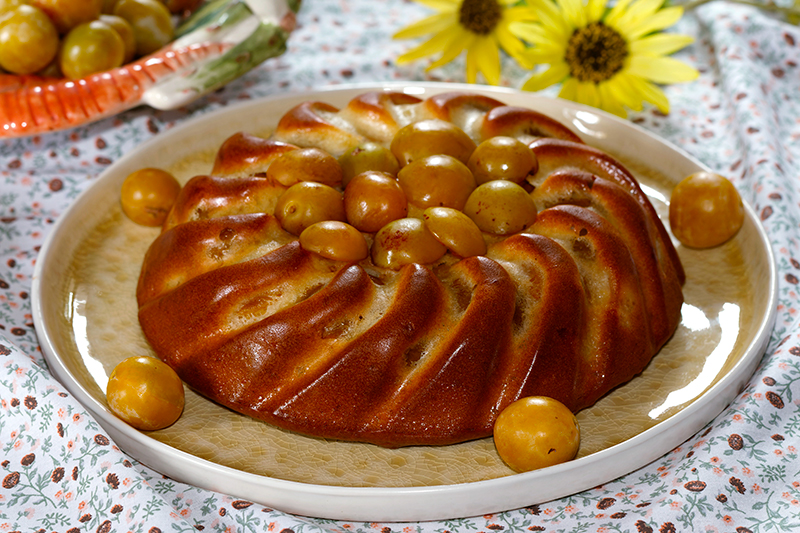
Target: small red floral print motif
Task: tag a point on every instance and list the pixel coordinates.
(112, 480)
(11, 480)
(735, 441)
(737, 484)
(775, 400)
(605, 503)
(667, 527)
(695, 486)
(28, 459)
(241, 504)
(642, 527)
(30, 402)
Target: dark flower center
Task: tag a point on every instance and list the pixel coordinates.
(595, 53)
(480, 16)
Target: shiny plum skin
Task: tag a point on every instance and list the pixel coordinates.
(146, 393)
(147, 196)
(536, 432)
(705, 210)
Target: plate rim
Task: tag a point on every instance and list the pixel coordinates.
(388, 504)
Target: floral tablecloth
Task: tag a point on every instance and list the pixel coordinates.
(60, 472)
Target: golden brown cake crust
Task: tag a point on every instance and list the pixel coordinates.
(572, 307)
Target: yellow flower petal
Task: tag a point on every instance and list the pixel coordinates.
(661, 69)
(660, 44)
(432, 24)
(486, 55)
(528, 31)
(637, 11)
(586, 93)
(432, 46)
(471, 63)
(621, 88)
(595, 10)
(661, 20)
(555, 74)
(544, 55)
(520, 14)
(651, 93)
(569, 90)
(513, 46)
(551, 18)
(537, 34)
(455, 44)
(616, 12)
(609, 102)
(442, 5)
(573, 12)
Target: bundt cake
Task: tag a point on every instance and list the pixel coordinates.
(384, 347)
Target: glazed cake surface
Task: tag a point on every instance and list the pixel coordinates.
(426, 354)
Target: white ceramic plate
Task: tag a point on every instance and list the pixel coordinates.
(673, 421)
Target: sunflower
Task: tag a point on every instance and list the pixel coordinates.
(607, 58)
(481, 27)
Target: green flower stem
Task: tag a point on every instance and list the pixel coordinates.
(267, 40)
(790, 11)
